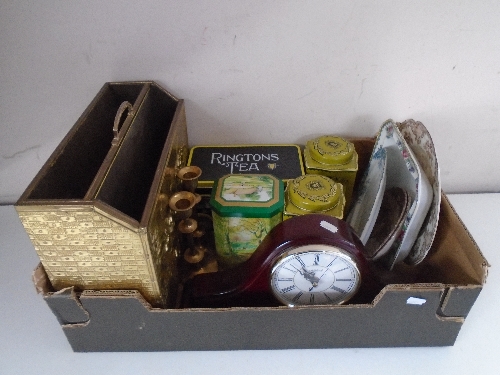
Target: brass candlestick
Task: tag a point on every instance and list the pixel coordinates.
(193, 253)
(182, 204)
(196, 255)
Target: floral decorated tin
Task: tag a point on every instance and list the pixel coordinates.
(314, 194)
(334, 157)
(244, 209)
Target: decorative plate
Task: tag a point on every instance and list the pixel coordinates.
(403, 171)
(391, 217)
(420, 142)
(366, 205)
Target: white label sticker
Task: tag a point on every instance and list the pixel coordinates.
(328, 226)
(415, 301)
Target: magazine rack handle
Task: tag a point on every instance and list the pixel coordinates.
(118, 123)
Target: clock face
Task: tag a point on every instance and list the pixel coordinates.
(315, 275)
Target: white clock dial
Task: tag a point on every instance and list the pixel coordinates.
(315, 275)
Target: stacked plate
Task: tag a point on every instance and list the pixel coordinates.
(399, 195)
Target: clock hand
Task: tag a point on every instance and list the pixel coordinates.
(302, 273)
(307, 274)
(310, 276)
(321, 277)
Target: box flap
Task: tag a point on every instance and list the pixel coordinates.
(458, 300)
(67, 308)
(65, 303)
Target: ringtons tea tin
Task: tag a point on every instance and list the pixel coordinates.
(314, 193)
(244, 209)
(334, 157)
(282, 161)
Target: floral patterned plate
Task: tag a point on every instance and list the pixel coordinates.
(366, 204)
(420, 142)
(403, 171)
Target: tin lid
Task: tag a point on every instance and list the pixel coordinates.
(283, 161)
(249, 195)
(330, 149)
(314, 192)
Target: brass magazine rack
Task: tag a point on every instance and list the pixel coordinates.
(97, 212)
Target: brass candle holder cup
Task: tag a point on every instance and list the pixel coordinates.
(189, 177)
(182, 204)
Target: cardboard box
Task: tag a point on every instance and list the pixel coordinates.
(423, 305)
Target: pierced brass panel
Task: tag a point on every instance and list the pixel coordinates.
(87, 250)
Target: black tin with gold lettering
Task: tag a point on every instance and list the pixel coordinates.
(281, 161)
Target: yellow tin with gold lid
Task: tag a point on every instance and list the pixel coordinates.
(314, 193)
(334, 157)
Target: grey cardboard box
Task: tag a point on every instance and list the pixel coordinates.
(445, 285)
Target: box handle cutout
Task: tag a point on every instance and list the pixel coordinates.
(125, 106)
(415, 301)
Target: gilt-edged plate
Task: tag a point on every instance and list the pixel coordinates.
(403, 171)
(366, 205)
(420, 142)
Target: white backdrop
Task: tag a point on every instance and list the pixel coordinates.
(259, 72)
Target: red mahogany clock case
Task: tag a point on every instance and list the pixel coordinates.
(248, 284)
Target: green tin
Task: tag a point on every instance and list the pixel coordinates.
(244, 209)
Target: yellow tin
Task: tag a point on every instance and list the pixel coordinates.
(314, 194)
(334, 157)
